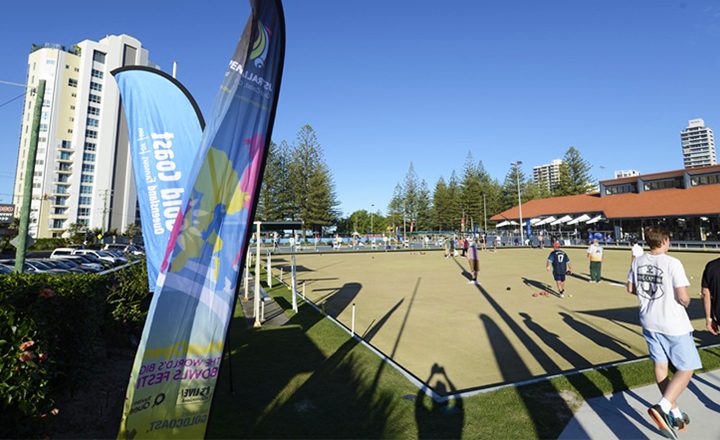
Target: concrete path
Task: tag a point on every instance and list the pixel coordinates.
(624, 415)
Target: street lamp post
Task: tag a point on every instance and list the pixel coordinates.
(517, 179)
(372, 207)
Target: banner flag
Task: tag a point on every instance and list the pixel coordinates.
(173, 379)
(164, 126)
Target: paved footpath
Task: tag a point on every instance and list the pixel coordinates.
(624, 415)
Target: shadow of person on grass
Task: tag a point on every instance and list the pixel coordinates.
(439, 419)
(620, 408)
(598, 337)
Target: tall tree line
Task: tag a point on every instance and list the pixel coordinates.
(297, 183)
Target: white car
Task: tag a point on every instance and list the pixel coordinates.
(102, 255)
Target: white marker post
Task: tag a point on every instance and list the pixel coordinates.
(247, 274)
(352, 325)
(292, 282)
(303, 290)
(269, 267)
(256, 293)
(281, 275)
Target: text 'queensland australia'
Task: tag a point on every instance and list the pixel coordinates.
(164, 207)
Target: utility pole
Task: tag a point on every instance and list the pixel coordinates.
(28, 182)
(105, 225)
(484, 214)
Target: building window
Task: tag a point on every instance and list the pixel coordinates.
(51, 62)
(99, 57)
(36, 185)
(83, 212)
(66, 144)
(88, 168)
(85, 200)
(92, 134)
(43, 127)
(84, 189)
(653, 185)
(58, 224)
(709, 179)
(94, 98)
(64, 155)
(82, 221)
(72, 82)
(96, 86)
(59, 211)
(89, 146)
(96, 73)
(93, 111)
(59, 200)
(621, 189)
(70, 131)
(91, 122)
(88, 157)
(86, 178)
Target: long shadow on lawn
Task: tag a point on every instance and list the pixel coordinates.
(336, 400)
(547, 409)
(540, 285)
(619, 410)
(597, 337)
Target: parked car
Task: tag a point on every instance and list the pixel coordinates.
(30, 267)
(4, 270)
(61, 252)
(102, 255)
(42, 267)
(85, 263)
(57, 263)
(118, 256)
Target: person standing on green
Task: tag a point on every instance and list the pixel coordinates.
(595, 255)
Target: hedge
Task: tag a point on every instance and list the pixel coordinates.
(55, 327)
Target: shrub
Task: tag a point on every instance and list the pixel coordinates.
(23, 377)
(68, 318)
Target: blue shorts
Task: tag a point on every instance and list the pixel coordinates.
(679, 350)
(559, 276)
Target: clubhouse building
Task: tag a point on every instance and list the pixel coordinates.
(686, 201)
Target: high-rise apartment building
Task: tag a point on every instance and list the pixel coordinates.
(83, 169)
(548, 174)
(698, 145)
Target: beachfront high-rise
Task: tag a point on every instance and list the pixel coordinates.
(548, 174)
(83, 169)
(698, 145)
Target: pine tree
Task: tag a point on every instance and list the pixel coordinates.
(471, 190)
(574, 174)
(440, 206)
(509, 196)
(424, 211)
(311, 182)
(395, 207)
(276, 196)
(454, 202)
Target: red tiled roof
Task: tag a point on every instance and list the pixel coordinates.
(699, 200)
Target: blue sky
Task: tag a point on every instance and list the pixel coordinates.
(385, 83)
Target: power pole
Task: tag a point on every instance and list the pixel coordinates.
(28, 182)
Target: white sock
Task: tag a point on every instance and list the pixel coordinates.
(676, 413)
(665, 405)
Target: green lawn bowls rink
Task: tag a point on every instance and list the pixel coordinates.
(420, 309)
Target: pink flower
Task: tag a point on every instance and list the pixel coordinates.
(27, 344)
(46, 293)
(26, 356)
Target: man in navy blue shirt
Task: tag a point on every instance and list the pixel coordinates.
(560, 263)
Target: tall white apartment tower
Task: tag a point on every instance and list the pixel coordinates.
(548, 174)
(698, 145)
(83, 169)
